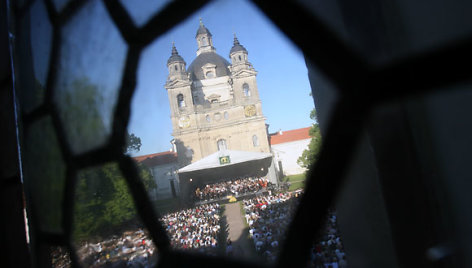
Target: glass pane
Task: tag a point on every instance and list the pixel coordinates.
(107, 229)
(35, 31)
(60, 4)
(44, 173)
(383, 31)
(216, 151)
(91, 66)
(142, 10)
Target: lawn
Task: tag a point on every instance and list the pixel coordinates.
(296, 181)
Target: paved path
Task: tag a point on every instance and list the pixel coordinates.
(238, 231)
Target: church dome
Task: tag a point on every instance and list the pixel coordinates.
(202, 30)
(195, 68)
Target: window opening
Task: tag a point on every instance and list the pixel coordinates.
(255, 141)
(180, 100)
(221, 145)
(247, 91)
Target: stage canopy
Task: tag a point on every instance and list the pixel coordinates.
(224, 159)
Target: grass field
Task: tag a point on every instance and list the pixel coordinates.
(296, 181)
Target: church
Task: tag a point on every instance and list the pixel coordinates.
(215, 104)
(216, 112)
(218, 126)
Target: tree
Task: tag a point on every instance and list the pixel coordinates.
(103, 203)
(133, 143)
(310, 155)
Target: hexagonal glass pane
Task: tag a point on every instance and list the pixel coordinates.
(142, 10)
(89, 75)
(107, 228)
(207, 184)
(44, 173)
(35, 31)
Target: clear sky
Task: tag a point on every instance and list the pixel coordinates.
(282, 74)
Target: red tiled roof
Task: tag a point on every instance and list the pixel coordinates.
(156, 159)
(290, 135)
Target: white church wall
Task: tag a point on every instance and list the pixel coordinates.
(288, 153)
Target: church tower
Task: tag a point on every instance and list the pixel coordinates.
(214, 104)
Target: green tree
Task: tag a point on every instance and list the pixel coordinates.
(103, 203)
(133, 143)
(310, 155)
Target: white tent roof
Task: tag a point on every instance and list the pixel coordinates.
(213, 160)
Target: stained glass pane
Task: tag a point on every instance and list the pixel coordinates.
(44, 173)
(91, 66)
(107, 229)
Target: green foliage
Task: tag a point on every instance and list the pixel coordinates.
(80, 105)
(103, 201)
(310, 155)
(133, 143)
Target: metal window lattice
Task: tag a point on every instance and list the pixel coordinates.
(356, 80)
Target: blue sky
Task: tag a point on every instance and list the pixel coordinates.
(282, 75)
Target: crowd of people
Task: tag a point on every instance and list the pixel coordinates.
(328, 252)
(194, 228)
(268, 217)
(234, 187)
(131, 249)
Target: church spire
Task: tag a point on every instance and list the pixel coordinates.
(204, 39)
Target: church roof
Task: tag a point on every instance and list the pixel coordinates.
(156, 159)
(175, 57)
(202, 29)
(290, 135)
(237, 46)
(213, 160)
(195, 68)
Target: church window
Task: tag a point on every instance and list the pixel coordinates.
(182, 67)
(180, 101)
(255, 141)
(204, 41)
(246, 90)
(210, 74)
(221, 145)
(239, 57)
(208, 118)
(226, 115)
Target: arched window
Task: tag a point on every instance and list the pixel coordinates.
(208, 118)
(176, 68)
(210, 74)
(180, 101)
(246, 90)
(255, 141)
(239, 57)
(204, 41)
(221, 144)
(226, 115)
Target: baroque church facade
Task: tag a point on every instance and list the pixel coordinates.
(215, 104)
